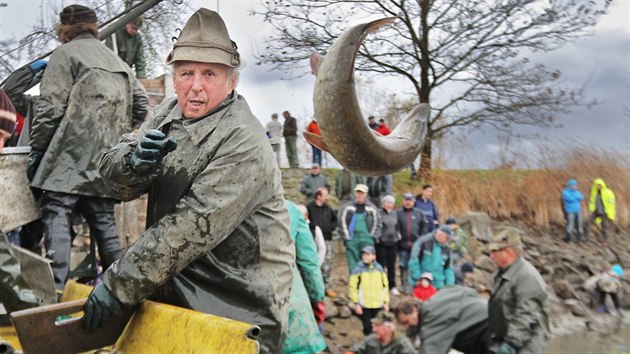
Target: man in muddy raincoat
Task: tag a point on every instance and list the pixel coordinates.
(217, 237)
(517, 311)
(88, 98)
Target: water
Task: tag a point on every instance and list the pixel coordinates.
(615, 342)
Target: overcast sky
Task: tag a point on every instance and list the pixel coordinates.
(601, 62)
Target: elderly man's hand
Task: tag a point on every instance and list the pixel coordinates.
(34, 159)
(100, 306)
(150, 151)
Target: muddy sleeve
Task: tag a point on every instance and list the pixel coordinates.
(115, 167)
(527, 316)
(224, 194)
(53, 100)
(140, 104)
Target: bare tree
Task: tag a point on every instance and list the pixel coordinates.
(468, 59)
(159, 28)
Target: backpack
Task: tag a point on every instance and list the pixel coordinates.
(428, 244)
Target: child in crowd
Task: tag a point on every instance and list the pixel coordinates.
(609, 284)
(368, 288)
(425, 289)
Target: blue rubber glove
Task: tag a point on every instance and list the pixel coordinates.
(506, 348)
(150, 151)
(99, 307)
(34, 159)
(38, 65)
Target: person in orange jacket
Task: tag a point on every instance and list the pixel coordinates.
(314, 129)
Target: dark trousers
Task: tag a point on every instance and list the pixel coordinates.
(386, 256)
(317, 155)
(613, 296)
(472, 340)
(57, 209)
(589, 222)
(366, 319)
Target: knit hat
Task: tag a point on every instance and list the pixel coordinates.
(7, 113)
(77, 14)
(205, 39)
(428, 276)
(447, 230)
(387, 199)
(571, 183)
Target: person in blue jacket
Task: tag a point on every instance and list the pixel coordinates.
(428, 208)
(572, 200)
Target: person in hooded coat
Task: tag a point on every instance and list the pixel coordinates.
(602, 206)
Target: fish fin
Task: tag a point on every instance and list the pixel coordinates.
(316, 140)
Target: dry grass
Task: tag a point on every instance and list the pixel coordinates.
(532, 196)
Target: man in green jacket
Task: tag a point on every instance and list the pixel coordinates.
(217, 237)
(456, 317)
(517, 310)
(128, 44)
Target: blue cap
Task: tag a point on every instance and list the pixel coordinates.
(369, 249)
(572, 183)
(617, 269)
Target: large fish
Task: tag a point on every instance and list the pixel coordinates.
(344, 132)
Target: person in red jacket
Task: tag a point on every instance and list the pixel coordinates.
(424, 290)
(314, 129)
(383, 129)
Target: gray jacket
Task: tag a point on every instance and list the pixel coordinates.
(387, 231)
(518, 309)
(217, 238)
(447, 313)
(274, 128)
(310, 184)
(88, 99)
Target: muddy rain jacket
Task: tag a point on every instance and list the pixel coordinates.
(88, 99)
(517, 310)
(608, 199)
(451, 311)
(217, 238)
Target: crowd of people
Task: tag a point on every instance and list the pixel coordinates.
(221, 238)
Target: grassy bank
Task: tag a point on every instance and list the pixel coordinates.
(532, 196)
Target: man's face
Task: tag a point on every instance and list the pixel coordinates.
(368, 257)
(382, 332)
(408, 203)
(502, 257)
(323, 196)
(441, 237)
(131, 29)
(315, 171)
(408, 320)
(200, 87)
(360, 197)
(286, 115)
(427, 193)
